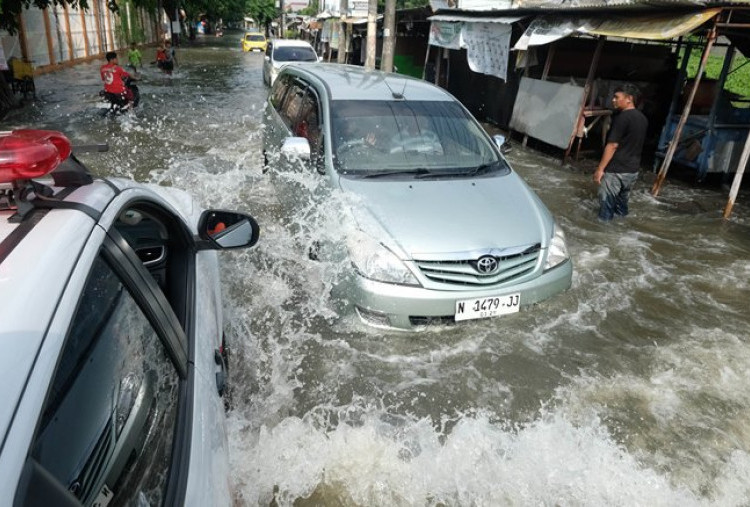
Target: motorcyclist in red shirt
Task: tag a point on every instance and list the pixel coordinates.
(115, 77)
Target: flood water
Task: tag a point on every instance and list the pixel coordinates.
(632, 388)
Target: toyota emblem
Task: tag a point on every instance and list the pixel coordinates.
(486, 264)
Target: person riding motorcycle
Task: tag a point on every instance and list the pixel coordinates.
(119, 89)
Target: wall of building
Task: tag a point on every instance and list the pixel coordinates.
(59, 35)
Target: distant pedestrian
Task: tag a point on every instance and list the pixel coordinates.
(134, 58)
(621, 160)
(171, 57)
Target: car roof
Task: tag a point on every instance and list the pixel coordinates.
(290, 43)
(33, 277)
(352, 82)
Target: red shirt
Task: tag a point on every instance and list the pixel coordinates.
(113, 77)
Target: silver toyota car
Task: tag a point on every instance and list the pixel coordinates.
(444, 230)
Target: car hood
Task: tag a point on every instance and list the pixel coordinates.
(424, 218)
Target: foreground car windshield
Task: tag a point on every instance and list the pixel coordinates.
(294, 54)
(407, 136)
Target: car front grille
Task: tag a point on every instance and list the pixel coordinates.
(467, 273)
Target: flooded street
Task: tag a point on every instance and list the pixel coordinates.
(631, 388)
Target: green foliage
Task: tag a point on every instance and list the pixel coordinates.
(310, 10)
(738, 80)
(10, 9)
(262, 11)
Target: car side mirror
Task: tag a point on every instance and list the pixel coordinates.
(501, 143)
(267, 58)
(223, 230)
(320, 59)
(296, 147)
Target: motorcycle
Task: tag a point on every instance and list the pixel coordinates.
(120, 102)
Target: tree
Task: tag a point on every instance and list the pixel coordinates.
(310, 10)
(262, 11)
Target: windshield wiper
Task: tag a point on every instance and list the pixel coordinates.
(484, 168)
(420, 172)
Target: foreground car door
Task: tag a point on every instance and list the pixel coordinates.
(117, 423)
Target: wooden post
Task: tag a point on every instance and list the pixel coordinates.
(86, 51)
(22, 38)
(47, 30)
(685, 113)
(586, 92)
(110, 33)
(69, 30)
(738, 177)
(438, 65)
(98, 22)
(426, 60)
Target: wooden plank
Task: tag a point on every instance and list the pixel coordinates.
(685, 113)
(98, 26)
(738, 177)
(86, 51)
(69, 33)
(47, 30)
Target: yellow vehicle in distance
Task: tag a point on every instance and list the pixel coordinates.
(254, 41)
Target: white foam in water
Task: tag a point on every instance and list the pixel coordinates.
(479, 462)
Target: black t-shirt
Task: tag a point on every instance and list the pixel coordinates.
(628, 131)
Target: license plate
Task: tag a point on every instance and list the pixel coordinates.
(482, 308)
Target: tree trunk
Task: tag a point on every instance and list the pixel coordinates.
(8, 101)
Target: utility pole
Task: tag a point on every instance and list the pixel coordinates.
(341, 56)
(389, 36)
(372, 39)
(282, 21)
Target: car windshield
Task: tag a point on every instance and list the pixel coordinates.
(294, 54)
(255, 38)
(422, 138)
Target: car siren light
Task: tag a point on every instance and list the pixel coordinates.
(27, 154)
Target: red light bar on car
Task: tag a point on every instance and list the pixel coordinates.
(27, 154)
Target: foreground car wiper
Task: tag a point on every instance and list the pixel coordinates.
(421, 172)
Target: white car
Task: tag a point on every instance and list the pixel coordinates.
(280, 52)
(112, 356)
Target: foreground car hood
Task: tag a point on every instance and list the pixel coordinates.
(427, 217)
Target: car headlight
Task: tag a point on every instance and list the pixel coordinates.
(374, 261)
(558, 249)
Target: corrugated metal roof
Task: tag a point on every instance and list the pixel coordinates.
(507, 20)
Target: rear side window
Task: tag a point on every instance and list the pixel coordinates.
(108, 423)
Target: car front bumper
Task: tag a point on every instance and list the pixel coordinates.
(409, 308)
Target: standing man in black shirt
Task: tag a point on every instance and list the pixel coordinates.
(621, 160)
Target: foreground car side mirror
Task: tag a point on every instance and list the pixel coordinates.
(223, 230)
(501, 143)
(296, 147)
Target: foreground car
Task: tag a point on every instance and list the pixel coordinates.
(254, 41)
(112, 358)
(445, 230)
(280, 52)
